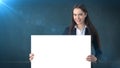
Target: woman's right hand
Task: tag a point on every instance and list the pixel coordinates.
(31, 56)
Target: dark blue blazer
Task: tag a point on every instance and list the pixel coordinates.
(97, 51)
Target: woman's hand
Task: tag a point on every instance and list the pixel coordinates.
(91, 58)
(31, 56)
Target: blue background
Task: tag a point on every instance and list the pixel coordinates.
(19, 19)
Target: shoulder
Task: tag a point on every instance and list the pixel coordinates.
(66, 31)
(67, 28)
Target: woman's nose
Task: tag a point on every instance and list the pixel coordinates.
(78, 17)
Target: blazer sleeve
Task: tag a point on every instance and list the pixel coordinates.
(66, 31)
(96, 45)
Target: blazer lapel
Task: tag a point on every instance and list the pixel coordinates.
(87, 31)
(73, 32)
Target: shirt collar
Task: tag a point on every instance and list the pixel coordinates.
(80, 32)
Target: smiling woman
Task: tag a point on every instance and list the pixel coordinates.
(81, 25)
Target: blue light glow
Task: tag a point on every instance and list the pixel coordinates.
(1, 2)
(5, 7)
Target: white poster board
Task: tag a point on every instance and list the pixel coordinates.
(60, 51)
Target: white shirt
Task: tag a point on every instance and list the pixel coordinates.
(80, 32)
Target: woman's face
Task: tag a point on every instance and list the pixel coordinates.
(79, 16)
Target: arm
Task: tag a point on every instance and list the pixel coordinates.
(97, 47)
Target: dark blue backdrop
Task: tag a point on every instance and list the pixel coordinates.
(19, 19)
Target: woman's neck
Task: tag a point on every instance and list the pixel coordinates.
(80, 26)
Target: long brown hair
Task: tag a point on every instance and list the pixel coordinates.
(90, 26)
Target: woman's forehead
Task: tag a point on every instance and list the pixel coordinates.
(77, 10)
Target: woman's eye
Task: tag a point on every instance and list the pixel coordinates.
(74, 14)
(80, 14)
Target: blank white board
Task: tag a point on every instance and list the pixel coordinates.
(60, 51)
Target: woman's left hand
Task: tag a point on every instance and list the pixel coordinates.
(91, 58)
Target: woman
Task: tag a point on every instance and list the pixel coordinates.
(81, 25)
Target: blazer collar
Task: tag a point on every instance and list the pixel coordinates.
(86, 31)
